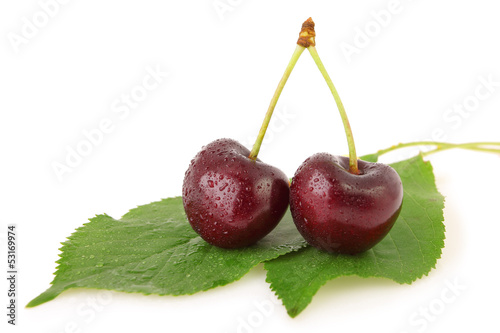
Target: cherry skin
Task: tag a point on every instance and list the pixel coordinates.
(230, 200)
(340, 212)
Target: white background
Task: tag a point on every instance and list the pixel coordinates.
(223, 65)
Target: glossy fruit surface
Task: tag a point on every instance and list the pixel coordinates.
(340, 212)
(230, 200)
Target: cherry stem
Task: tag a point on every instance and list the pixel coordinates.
(260, 137)
(441, 146)
(353, 159)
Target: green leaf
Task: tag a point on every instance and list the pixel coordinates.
(153, 250)
(408, 252)
(370, 158)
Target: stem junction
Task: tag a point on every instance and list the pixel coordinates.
(309, 42)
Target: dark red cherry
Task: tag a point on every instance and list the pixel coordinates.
(341, 212)
(230, 200)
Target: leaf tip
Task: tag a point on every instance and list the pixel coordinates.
(293, 312)
(44, 297)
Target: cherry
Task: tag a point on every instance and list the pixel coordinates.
(231, 198)
(340, 204)
(337, 211)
